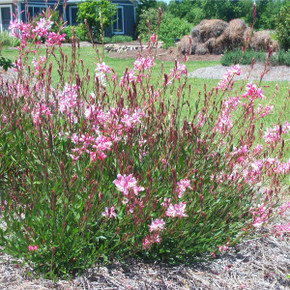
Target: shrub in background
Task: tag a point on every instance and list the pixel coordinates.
(171, 27)
(287, 58)
(283, 27)
(118, 39)
(7, 40)
(100, 168)
(78, 30)
(91, 10)
(237, 56)
(5, 63)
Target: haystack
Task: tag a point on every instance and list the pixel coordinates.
(216, 36)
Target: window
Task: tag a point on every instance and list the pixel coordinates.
(5, 17)
(34, 11)
(118, 21)
(73, 11)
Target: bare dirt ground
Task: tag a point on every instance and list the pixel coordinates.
(260, 263)
(170, 54)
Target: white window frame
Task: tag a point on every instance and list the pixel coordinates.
(5, 6)
(112, 26)
(70, 9)
(33, 6)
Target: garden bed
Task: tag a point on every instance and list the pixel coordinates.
(256, 263)
(261, 263)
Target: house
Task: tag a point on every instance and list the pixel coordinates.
(123, 24)
(7, 7)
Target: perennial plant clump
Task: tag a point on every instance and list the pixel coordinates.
(103, 166)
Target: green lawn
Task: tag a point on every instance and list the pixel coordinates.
(88, 55)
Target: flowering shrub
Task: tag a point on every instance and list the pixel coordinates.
(92, 176)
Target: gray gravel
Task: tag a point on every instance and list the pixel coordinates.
(275, 73)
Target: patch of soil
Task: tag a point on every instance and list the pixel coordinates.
(162, 54)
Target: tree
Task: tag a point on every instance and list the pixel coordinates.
(145, 5)
(170, 28)
(91, 9)
(283, 27)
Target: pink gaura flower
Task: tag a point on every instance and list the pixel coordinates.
(4, 119)
(261, 112)
(166, 202)
(224, 123)
(252, 92)
(153, 38)
(68, 100)
(157, 225)
(257, 150)
(124, 183)
(178, 70)
(260, 216)
(235, 70)
(40, 111)
(223, 248)
(109, 212)
(176, 210)
(55, 39)
(227, 81)
(284, 207)
(182, 185)
(280, 230)
(201, 119)
(32, 248)
(149, 240)
(42, 26)
(130, 120)
(273, 135)
(102, 67)
(143, 63)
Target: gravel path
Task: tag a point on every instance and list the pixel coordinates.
(275, 73)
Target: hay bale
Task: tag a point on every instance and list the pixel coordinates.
(233, 35)
(210, 45)
(184, 45)
(220, 45)
(261, 40)
(215, 36)
(247, 34)
(200, 49)
(195, 32)
(208, 29)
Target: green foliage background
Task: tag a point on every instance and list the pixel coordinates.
(180, 16)
(283, 27)
(170, 28)
(90, 10)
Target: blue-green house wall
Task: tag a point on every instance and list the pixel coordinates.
(67, 10)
